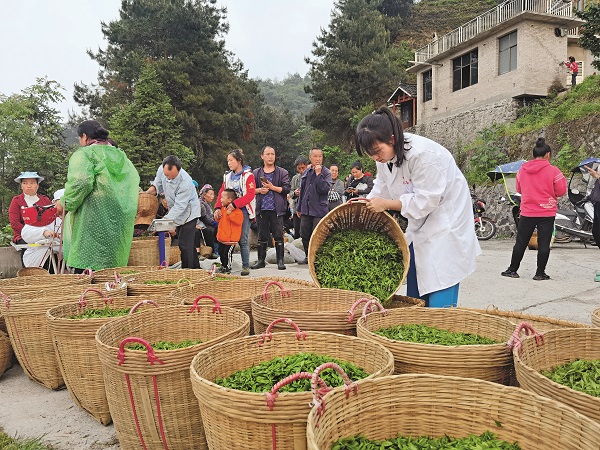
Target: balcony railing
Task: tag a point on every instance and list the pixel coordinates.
(490, 19)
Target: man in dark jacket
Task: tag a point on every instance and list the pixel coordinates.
(312, 204)
(272, 187)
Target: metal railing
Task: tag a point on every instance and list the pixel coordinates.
(490, 19)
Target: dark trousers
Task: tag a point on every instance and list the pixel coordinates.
(307, 226)
(545, 227)
(573, 79)
(596, 224)
(208, 233)
(226, 254)
(296, 222)
(269, 223)
(186, 234)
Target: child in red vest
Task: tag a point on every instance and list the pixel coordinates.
(230, 228)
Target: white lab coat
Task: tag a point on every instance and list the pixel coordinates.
(437, 203)
(37, 256)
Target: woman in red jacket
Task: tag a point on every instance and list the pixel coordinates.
(30, 182)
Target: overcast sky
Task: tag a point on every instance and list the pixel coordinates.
(50, 38)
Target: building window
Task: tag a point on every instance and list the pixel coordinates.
(427, 86)
(464, 70)
(508, 53)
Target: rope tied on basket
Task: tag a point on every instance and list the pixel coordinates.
(196, 307)
(143, 302)
(370, 304)
(514, 342)
(6, 299)
(82, 302)
(284, 291)
(268, 336)
(317, 397)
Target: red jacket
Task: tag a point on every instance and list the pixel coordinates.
(230, 226)
(14, 212)
(248, 191)
(540, 184)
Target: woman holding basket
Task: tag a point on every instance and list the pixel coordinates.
(419, 178)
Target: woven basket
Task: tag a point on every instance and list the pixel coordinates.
(20, 285)
(430, 405)
(6, 353)
(142, 284)
(149, 393)
(29, 331)
(355, 215)
(174, 254)
(312, 310)
(30, 271)
(540, 323)
(74, 341)
(236, 291)
(533, 241)
(559, 347)
(147, 209)
(108, 275)
(487, 362)
(144, 251)
(596, 318)
(242, 420)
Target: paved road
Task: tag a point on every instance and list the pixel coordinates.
(27, 409)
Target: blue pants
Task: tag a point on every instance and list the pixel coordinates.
(244, 247)
(439, 299)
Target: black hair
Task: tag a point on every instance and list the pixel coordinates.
(92, 129)
(112, 142)
(572, 58)
(238, 154)
(334, 164)
(266, 147)
(171, 161)
(380, 126)
(301, 160)
(356, 164)
(230, 193)
(541, 148)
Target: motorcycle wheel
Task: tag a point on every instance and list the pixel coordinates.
(485, 229)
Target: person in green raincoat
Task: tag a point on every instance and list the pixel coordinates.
(101, 198)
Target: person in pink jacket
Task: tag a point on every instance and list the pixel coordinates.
(540, 185)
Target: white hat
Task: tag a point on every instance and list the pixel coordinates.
(25, 175)
(59, 194)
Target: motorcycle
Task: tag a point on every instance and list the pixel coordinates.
(485, 228)
(507, 173)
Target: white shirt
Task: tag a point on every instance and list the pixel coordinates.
(437, 203)
(37, 256)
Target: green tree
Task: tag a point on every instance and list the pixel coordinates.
(146, 129)
(353, 64)
(287, 94)
(590, 33)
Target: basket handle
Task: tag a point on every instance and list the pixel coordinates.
(514, 342)
(87, 272)
(370, 307)
(183, 279)
(196, 306)
(317, 397)
(359, 199)
(152, 358)
(143, 302)
(352, 310)
(284, 291)
(267, 335)
(82, 303)
(163, 265)
(6, 299)
(272, 396)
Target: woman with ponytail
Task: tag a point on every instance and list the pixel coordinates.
(420, 178)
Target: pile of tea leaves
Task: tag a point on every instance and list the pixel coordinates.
(99, 313)
(166, 345)
(582, 375)
(424, 334)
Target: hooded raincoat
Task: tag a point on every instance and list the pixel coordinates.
(101, 196)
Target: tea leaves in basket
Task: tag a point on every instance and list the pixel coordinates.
(486, 441)
(263, 376)
(166, 345)
(582, 375)
(360, 260)
(97, 313)
(161, 282)
(424, 334)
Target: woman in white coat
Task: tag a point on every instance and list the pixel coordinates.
(419, 178)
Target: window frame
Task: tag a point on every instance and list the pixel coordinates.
(467, 68)
(427, 98)
(510, 50)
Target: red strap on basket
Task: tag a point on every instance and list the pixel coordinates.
(370, 307)
(6, 299)
(284, 291)
(152, 358)
(196, 306)
(163, 265)
(82, 303)
(371, 303)
(87, 272)
(317, 397)
(267, 335)
(514, 342)
(143, 302)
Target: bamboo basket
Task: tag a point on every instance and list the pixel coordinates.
(355, 215)
(74, 342)
(324, 309)
(109, 275)
(243, 420)
(491, 362)
(6, 353)
(558, 347)
(432, 405)
(596, 318)
(236, 291)
(142, 284)
(144, 251)
(147, 209)
(174, 254)
(540, 323)
(19, 285)
(30, 334)
(149, 393)
(30, 271)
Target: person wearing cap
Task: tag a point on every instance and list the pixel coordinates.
(30, 182)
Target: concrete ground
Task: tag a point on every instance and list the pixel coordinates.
(30, 410)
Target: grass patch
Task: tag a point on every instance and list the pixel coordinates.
(8, 443)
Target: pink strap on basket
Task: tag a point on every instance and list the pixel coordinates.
(87, 272)
(6, 299)
(163, 265)
(317, 397)
(152, 358)
(284, 291)
(267, 335)
(196, 306)
(370, 307)
(514, 342)
(143, 302)
(371, 303)
(82, 303)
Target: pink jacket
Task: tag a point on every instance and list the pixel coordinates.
(540, 185)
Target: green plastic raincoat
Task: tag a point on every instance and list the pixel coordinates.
(101, 197)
